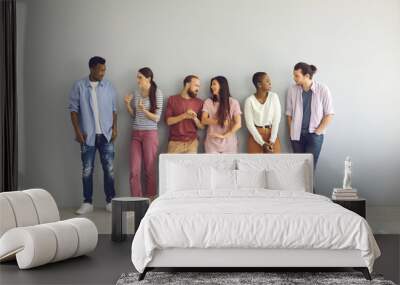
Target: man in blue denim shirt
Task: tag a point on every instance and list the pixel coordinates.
(92, 103)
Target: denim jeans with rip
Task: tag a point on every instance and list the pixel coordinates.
(88, 154)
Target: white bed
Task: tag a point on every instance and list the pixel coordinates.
(215, 211)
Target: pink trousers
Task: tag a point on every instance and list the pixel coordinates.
(144, 147)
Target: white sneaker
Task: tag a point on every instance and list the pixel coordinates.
(84, 209)
(109, 207)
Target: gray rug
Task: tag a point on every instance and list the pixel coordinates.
(243, 278)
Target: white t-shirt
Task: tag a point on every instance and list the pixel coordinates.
(95, 107)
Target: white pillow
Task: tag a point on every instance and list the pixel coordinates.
(188, 177)
(251, 178)
(224, 179)
(293, 178)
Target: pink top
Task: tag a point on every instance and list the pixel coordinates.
(321, 105)
(217, 145)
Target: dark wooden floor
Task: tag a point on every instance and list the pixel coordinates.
(110, 260)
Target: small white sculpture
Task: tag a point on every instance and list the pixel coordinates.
(347, 173)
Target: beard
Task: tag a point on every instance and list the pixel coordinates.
(192, 94)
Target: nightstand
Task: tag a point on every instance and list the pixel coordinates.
(355, 205)
(122, 204)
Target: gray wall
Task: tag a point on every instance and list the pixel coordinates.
(355, 45)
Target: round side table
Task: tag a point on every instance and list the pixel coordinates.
(122, 204)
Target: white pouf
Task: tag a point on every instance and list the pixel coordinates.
(7, 216)
(23, 208)
(46, 207)
(31, 233)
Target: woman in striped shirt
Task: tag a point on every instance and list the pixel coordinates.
(144, 106)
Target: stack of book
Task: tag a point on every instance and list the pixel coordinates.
(344, 194)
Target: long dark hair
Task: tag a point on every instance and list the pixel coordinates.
(148, 73)
(222, 98)
(306, 68)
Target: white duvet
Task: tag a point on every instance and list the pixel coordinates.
(251, 218)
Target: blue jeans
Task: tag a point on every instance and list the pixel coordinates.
(309, 143)
(88, 154)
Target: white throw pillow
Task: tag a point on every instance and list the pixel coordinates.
(293, 178)
(251, 178)
(224, 179)
(188, 177)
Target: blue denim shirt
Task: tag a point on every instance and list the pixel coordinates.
(80, 101)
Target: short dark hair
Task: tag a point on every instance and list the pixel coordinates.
(189, 78)
(257, 78)
(95, 60)
(306, 68)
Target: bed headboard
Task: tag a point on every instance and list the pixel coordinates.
(213, 159)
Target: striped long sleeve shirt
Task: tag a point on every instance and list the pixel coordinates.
(140, 121)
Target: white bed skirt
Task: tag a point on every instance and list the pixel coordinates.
(235, 257)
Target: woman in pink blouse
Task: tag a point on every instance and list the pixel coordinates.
(222, 114)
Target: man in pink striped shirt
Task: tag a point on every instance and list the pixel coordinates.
(309, 111)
